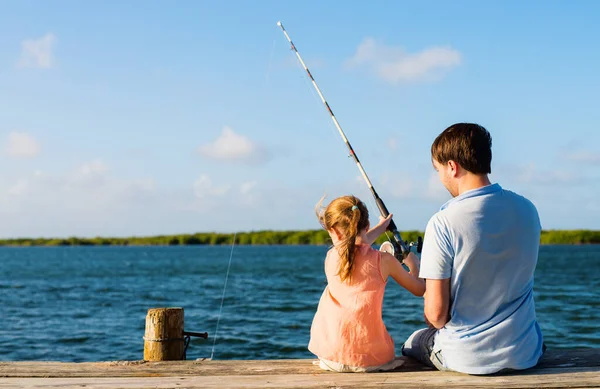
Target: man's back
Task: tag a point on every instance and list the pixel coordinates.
(486, 241)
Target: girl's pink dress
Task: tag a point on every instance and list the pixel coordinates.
(348, 327)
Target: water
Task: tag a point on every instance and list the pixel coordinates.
(90, 303)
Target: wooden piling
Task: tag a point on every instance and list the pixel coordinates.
(163, 338)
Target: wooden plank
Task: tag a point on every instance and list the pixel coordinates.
(579, 368)
(573, 358)
(553, 378)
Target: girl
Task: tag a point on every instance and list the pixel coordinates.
(348, 333)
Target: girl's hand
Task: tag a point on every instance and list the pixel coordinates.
(384, 222)
(379, 229)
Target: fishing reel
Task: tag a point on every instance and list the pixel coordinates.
(390, 248)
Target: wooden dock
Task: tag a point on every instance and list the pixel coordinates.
(577, 368)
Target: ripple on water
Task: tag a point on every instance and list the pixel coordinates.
(73, 339)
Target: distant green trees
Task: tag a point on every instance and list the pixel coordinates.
(266, 237)
(570, 237)
(407, 236)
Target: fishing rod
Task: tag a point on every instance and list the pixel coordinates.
(399, 248)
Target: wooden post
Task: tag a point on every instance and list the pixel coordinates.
(163, 339)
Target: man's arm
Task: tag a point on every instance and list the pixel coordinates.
(437, 302)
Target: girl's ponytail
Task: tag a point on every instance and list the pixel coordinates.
(348, 215)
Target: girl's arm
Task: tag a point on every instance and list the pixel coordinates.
(410, 281)
(413, 263)
(379, 229)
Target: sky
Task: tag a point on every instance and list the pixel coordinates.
(156, 117)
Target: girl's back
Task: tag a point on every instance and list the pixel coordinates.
(348, 327)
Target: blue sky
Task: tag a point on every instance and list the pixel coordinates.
(156, 117)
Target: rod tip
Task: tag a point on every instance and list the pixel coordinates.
(279, 24)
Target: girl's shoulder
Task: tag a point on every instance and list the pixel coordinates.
(368, 256)
(332, 253)
(367, 251)
(332, 259)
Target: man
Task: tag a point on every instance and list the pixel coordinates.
(479, 256)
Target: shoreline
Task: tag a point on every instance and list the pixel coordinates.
(264, 238)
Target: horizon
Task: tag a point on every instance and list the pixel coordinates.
(403, 232)
(147, 118)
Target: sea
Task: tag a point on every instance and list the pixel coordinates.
(85, 303)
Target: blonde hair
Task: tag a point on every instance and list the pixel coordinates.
(349, 216)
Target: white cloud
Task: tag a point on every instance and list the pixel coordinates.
(21, 145)
(233, 147)
(92, 174)
(247, 187)
(249, 193)
(435, 190)
(90, 199)
(92, 168)
(226, 197)
(584, 156)
(204, 188)
(83, 202)
(392, 143)
(37, 53)
(19, 188)
(87, 185)
(394, 65)
(397, 186)
(531, 175)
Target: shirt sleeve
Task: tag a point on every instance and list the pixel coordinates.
(437, 256)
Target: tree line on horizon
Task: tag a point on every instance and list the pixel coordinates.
(266, 237)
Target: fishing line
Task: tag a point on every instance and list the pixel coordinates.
(401, 249)
(333, 130)
(223, 296)
(317, 101)
(270, 67)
